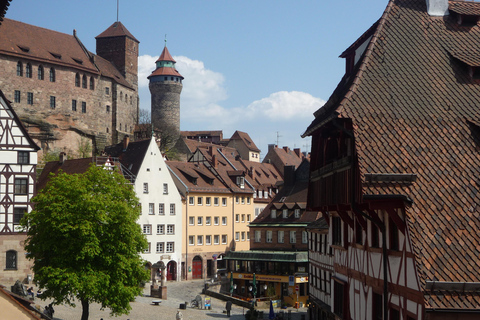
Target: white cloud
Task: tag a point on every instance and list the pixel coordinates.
(146, 65)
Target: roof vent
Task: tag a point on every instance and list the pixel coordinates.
(23, 48)
(437, 8)
(56, 55)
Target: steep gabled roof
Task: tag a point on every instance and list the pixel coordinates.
(131, 157)
(245, 138)
(412, 105)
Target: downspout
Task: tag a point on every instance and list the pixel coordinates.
(381, 226)
(186, 220)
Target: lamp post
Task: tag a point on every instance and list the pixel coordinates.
(265, 286)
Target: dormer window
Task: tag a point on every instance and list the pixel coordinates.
(464, 13)
(241, 182)
(56, 55)
(273, 213)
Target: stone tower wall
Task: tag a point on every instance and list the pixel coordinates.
(166, 105)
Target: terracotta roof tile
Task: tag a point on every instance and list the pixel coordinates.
(117, 29)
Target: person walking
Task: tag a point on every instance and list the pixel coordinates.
(228, 306)
(179, 315)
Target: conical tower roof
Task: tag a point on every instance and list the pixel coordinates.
(165, 65)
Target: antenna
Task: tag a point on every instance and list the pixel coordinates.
(117, 9)
(278, 138)
(165, 39)
(307, 146)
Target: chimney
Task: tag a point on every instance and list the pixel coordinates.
(286, 149)
(288, 175)
(210, 150)
(62, 157)
(126, 141)
(297, 152)
(252, 173)
(271, 147)
(214, 161)
(437, 8)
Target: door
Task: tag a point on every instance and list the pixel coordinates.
(197, 268)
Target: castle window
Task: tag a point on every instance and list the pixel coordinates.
(131, 100)
(11, 260)
(77, 80)
(121, 95)
(84, 107)
(30, 98)
(108, 109)
(107, 129)
(52, 102)
(165, 78)
(19, 69)
(84, 82)
(126, 98)
(92, 83)
(17, 96)
(171, 78)
(52, 75)
(40, 73)
(74, 105)
(107, 91)
(18, 214)
(28, 70)
(23, 157)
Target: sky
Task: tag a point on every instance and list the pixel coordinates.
(262, 67)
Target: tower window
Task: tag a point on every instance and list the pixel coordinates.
(77, 80)
(19, 69)
(74, 105)
(84, 107)
(40, 73)
(107, 91)
(108, 109)
(17, 96)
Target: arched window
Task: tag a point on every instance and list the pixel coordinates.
(19, 69)
(28, 70)
(126, 98)
(107, 129)
(52, 75)
(40, 72)
(77, 80)
(84, 82)
(121, 95)
(130, 99)
(92, 83)
(11, 260)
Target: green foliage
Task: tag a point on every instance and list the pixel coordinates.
(84, 149)
(85, 241)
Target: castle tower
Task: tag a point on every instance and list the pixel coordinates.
(165, 88)
(119, 46)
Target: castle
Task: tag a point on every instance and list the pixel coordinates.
(63, 93)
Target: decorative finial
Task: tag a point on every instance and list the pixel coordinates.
(165, 39)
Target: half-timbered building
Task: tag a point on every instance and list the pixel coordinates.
(394, 166)
(18, 160)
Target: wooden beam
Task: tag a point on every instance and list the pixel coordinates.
(346, 218)
(396, 218)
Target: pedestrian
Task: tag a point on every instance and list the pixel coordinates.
(179, 315)
(228, 306)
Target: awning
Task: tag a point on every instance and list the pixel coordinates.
(272, 256)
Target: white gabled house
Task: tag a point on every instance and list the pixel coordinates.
(18, 161)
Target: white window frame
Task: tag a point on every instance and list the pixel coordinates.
(199, 201)
(269, 236)
(161, 209)
(216, 221)
(147, 229)
(199, 221)
(224, 221)
(170, 246)
(151, 208)
(216, 239)
(160, 229)
(281, 236)
(165, 188)
(199, 240)
(208, 240)
(208, 201)
(224, 239)
(216, 201)
(172, 209)
(208, 221)
(237, 236)
(191, 240)
(224, 202)
(170, 229)
(160, 247)
(243, 235)
(258, 236)
(191, 201)
(191, 221)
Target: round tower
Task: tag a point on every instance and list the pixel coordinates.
(165, 88)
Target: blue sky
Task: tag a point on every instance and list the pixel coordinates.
(261, 66)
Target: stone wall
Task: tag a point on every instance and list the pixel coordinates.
(14, 241)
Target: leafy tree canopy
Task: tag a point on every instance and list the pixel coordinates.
(85, 241)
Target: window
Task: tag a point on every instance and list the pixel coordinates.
(28, 70)
(281, 236)
(149, 248)
(241, 182)
(248, 200)
(208, 201)
(269, 236)
(338, 296)
(394, 314)
(243, 218)
(18, 214)
(11, 260)
(92, 83)
(84, 107)
(191, 221)
(21, 186)
(199, 221)
(237, 200)
(293, 236)
(243, 200)
(199, 240)
(237, 218)
(248, 218)
(30, 98)
(191, 240)
(161, 209)
(208, 240)
(77, 80)
(224, 239)
(170, 229)
(224, 202)
(151, 208)
(297, 213)
(145, 187)
(107, 108)
(170, 246)
(248, 236)
(243, 235)
(377, 306)
(160, 247)
(52, 75)
(337, 231)
(285, 213)
(199, 201)
(160, 229)
(23, 157)
(40, 73)
(107, 91)
(84, 82)
(258, 235)
(216, 239)
(19, 69)
(237, 236)
(208, 221)
(165, 188)
(215, 201)
(273, 213)
(17, 96)
(172, 209)
(191, 201)
(53, 103)
(224, 221)
(216, 221)
(147, 229)
(304, 237)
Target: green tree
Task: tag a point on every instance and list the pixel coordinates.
(85, 241)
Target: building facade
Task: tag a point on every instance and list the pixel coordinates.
(65, 94)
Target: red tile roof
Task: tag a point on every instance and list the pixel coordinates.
(239, 135)
(410, 103)
(166, 56)
(117, 29)
(165, 71)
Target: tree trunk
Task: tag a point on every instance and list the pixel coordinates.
(85, 311)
